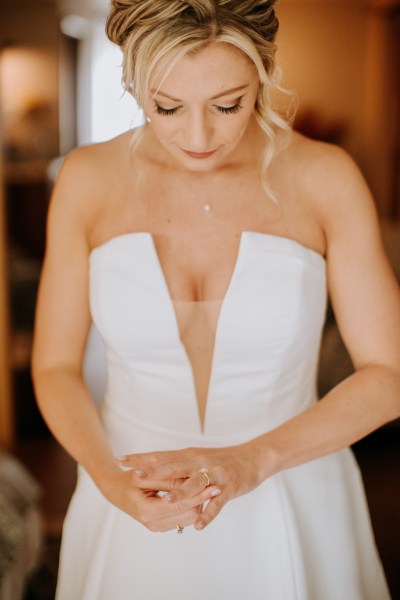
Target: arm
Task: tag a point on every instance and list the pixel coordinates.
(366, 300)
(63, 320)
(61, 328)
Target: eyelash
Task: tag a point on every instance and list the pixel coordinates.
(226, 110)
(230, 110)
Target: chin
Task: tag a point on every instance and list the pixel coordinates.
(221, 158)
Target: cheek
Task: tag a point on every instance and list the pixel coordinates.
(234, 130)
(163, 127)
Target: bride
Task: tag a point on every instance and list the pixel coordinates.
(202, 246)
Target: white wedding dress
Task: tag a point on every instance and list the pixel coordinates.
(304, 534)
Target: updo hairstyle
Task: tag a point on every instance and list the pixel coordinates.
(155, 34)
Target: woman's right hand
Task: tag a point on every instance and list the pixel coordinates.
(147, 506)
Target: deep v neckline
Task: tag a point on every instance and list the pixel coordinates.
(165, 281)
(201, 403)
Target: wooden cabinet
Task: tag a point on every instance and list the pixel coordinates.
(26, 197)
(29, 101)
(6, 396)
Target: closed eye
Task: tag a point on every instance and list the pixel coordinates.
(229, 110)
(165, 111)
(226, 110)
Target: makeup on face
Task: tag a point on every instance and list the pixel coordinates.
(201, 110)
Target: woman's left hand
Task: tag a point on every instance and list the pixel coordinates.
(234, 470)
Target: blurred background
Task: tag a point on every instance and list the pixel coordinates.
(59, 88)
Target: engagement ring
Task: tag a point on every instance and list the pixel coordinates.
(204, 472)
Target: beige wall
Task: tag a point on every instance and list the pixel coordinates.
(322, 50)
(334, 54)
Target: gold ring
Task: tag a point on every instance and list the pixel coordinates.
(204, 471)
(179, 529)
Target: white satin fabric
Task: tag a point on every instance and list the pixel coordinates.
(304, 534)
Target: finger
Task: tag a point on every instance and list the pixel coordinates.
(189, 487)
(147, 459)
(160, 485)
(158, 516)
(209, 513)
(200, 498)
(169, 523)
(164, 470)
(164, 464)
(155, 506)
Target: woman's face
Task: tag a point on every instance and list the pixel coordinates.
(201, 112)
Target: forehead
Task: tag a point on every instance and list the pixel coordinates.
(211, 70)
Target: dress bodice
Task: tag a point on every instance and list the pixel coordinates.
(304, 532)
(265, 354)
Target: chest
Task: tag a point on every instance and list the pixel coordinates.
(196, 227)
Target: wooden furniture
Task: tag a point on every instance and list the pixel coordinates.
(6, 397)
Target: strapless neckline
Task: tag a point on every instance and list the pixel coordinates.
(260, 239)
(272, 239)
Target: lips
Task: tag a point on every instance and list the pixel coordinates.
(199, 154)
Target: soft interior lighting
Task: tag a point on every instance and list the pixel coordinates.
(26, 75)
(76, 26)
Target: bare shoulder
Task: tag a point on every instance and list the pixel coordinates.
(332, 185)
(325, 170)
(85, 179)
(88, 169)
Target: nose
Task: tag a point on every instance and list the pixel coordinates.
(198, 132)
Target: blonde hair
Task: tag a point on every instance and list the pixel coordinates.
(155, 34)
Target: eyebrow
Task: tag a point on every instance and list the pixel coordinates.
(224, 93)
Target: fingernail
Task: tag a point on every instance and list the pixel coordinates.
(215, 493)
(139, 472)
(169, 497)
(199, 525)
(122, 458)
